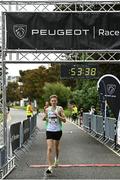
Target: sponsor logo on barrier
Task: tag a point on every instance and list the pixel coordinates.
(26, 130)
(15, 137)
(111, 88)
(20, 30)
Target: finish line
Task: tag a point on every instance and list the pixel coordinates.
(76, 165)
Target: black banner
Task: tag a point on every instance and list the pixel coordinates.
(109, 89)
(63, 31)
(15, 136)
(26, 130)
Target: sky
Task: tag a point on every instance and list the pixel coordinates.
(13, 69)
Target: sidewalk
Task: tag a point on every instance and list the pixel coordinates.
(76, 147)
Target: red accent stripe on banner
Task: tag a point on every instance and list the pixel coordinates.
(76, 165)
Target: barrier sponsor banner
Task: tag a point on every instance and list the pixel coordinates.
(26, 130)
(15, 136)
(109, 89)
(63, 31)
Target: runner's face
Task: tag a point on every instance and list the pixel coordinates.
(53, 102)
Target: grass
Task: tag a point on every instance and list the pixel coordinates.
(19, 107)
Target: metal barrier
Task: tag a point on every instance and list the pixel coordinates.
(7, 168)
(95, 124)
(3, 158)
(99, 125)
(20, 133)
(26, 130)
(15, 136)
(33, 122)
(109, 128)
(86, 117)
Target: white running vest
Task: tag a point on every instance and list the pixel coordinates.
(53, 122)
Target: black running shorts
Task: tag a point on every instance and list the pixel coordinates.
(54, 135)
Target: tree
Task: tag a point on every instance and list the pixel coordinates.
(87, 95)
(13, 92)
(33, 82)
(60, 90)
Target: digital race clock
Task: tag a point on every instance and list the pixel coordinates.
(81, 70)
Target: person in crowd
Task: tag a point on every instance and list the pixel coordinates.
(93, 110)
(29, 110)
(74, 113)
(46, 105)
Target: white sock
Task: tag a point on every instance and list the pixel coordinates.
(50, 168)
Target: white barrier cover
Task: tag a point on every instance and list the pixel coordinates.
(118, 130)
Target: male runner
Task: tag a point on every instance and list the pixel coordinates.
(54, 115)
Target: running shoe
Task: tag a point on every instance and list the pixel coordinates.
(49, 170)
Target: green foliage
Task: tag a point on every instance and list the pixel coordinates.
(60, 90)
(34, 81)
(67, 112)
(87, 95)
(13, 92)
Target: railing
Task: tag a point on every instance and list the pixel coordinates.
(94, 123)
(18, 136)
(102, 129)
(20, 133)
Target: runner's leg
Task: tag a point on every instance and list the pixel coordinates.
(57, 148)
(49, 151)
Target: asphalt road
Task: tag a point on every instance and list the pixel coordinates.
(76, 147)
(16, 116)
(13, 117)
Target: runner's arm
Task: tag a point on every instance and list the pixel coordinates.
(61, 115)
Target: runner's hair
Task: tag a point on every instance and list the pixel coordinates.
(53, 96)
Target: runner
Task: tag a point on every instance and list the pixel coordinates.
(55, 116)
(46, 105)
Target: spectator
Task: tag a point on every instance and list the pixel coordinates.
(74, 113)
(29, 110)
(93, 110)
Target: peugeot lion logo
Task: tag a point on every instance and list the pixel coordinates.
(20, 30)
(111, 88)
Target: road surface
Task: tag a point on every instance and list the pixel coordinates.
(76, 147)
(16, 115)
(13, 117)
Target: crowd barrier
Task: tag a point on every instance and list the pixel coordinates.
(3, 157)
(15, 135)
(95, 124)
(20, 133)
